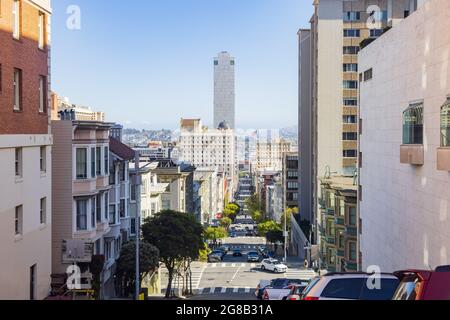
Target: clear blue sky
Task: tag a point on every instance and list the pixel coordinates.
(147, 63)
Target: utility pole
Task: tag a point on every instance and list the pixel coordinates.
(138, 220)
(285, 236)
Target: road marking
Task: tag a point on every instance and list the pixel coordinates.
(214, 265)
(224, 265)
(212, 289)
(233, 265)
(243, 265)
(224, 290)
(200, 290)
(236, 273)
(235, 290)
(253, 265)
(247, 290)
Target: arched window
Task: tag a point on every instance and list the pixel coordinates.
(413, 124)
(445, 124)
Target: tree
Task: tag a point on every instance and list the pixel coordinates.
(265, 227)
(231, 210)
(254, 206)
(287, 215)
(257, 216)
(126, 265)
(177, 235)
(215, 233)
(225, 222)
(204, 252)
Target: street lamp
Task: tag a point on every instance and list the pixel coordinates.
(137, 221)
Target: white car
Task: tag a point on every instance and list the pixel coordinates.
(273, 265)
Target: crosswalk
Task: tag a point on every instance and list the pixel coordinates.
(232, 265)
(222, 290)
(305, 274)
(197, 273)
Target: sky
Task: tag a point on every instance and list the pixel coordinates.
(149, 63)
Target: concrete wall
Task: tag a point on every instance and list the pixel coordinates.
(33, 247)
(405, 209)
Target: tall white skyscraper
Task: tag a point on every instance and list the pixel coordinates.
(224, 90)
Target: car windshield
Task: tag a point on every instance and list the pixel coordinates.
(408, 289)
(252, 253)
(275, 262)
(310, 286)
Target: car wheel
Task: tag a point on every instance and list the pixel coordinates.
(275, 270)
(263, 268)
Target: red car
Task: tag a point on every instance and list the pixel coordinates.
(423, 284)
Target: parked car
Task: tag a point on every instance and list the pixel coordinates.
(277, 283)
(252, 256)
(350, 286)
(282, 293)
(273, 265)
(296, 291)
(219, 253)
(262, 248)
(423, 284)
(237, 252)
(225, 248)
(214, 257)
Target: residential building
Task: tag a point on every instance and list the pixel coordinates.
(209, 194)
(25, 150)
(82, 222)
(338, 224)
(269, 154)
(265, 179)
(151, 192)
(290, 180)
(404, 145)
(328, 88)
(208, 148)
(62, 108)
(116, 132)
(224, 90)
(274, 201)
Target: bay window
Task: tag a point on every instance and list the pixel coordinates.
(413, 124)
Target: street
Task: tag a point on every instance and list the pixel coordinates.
(235, 278)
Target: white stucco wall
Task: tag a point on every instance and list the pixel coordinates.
(19, 253)
(405, 210)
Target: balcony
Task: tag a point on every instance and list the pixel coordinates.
(330, 239)
(443, 159)
(339, 221)
(412, 154)
(329, 211)
(340, 253)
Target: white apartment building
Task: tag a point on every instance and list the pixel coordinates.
(25, 150)
(61, 107)
(404, 144)
(269, 154)
(208, 148)
(210, 194)
(224, 90)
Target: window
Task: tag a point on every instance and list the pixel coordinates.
(93, 207)
(413, 124)
(386, 291)
(93, 175)
(349, 154)
(81, 215)
(166, 204)
(41, 26)
(18, 221)
(106, 160)
(132, 192)
(368, 74)
(43, 211)
(292, 174)
(349, 136)
(350, 84)
(17, 84)
(133, 226)
(232, 62)
(216, 62)
(112, 214)
(352, 216)
(350, 102)
(349, 119)
(106, 205)
(352, 33)
(350, 67)
(18, 163)
(352, 251)
(351, 50)
(42, 94)
(81, 167)
(122, 171)
(349, 288)
(43, 159)
(408, 288)
(406, 14)
(99, 161)
(292, 185)
(341, 240)
(445, 124)
(33, 282)
(99, 208)
(352, 16)
(122, 208)
(375, 33)
(16, 19)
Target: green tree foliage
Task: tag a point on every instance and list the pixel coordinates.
(231, 210)
(225, 222)
(257, 216)
(177, 235)
(204, 252)
(126, 265)
(254, 206)
(214, 234)
(268, 226)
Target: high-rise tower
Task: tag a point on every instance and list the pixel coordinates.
(224, 90)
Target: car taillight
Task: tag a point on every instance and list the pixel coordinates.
(310, 298)
(294, 297)
(265, 296)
